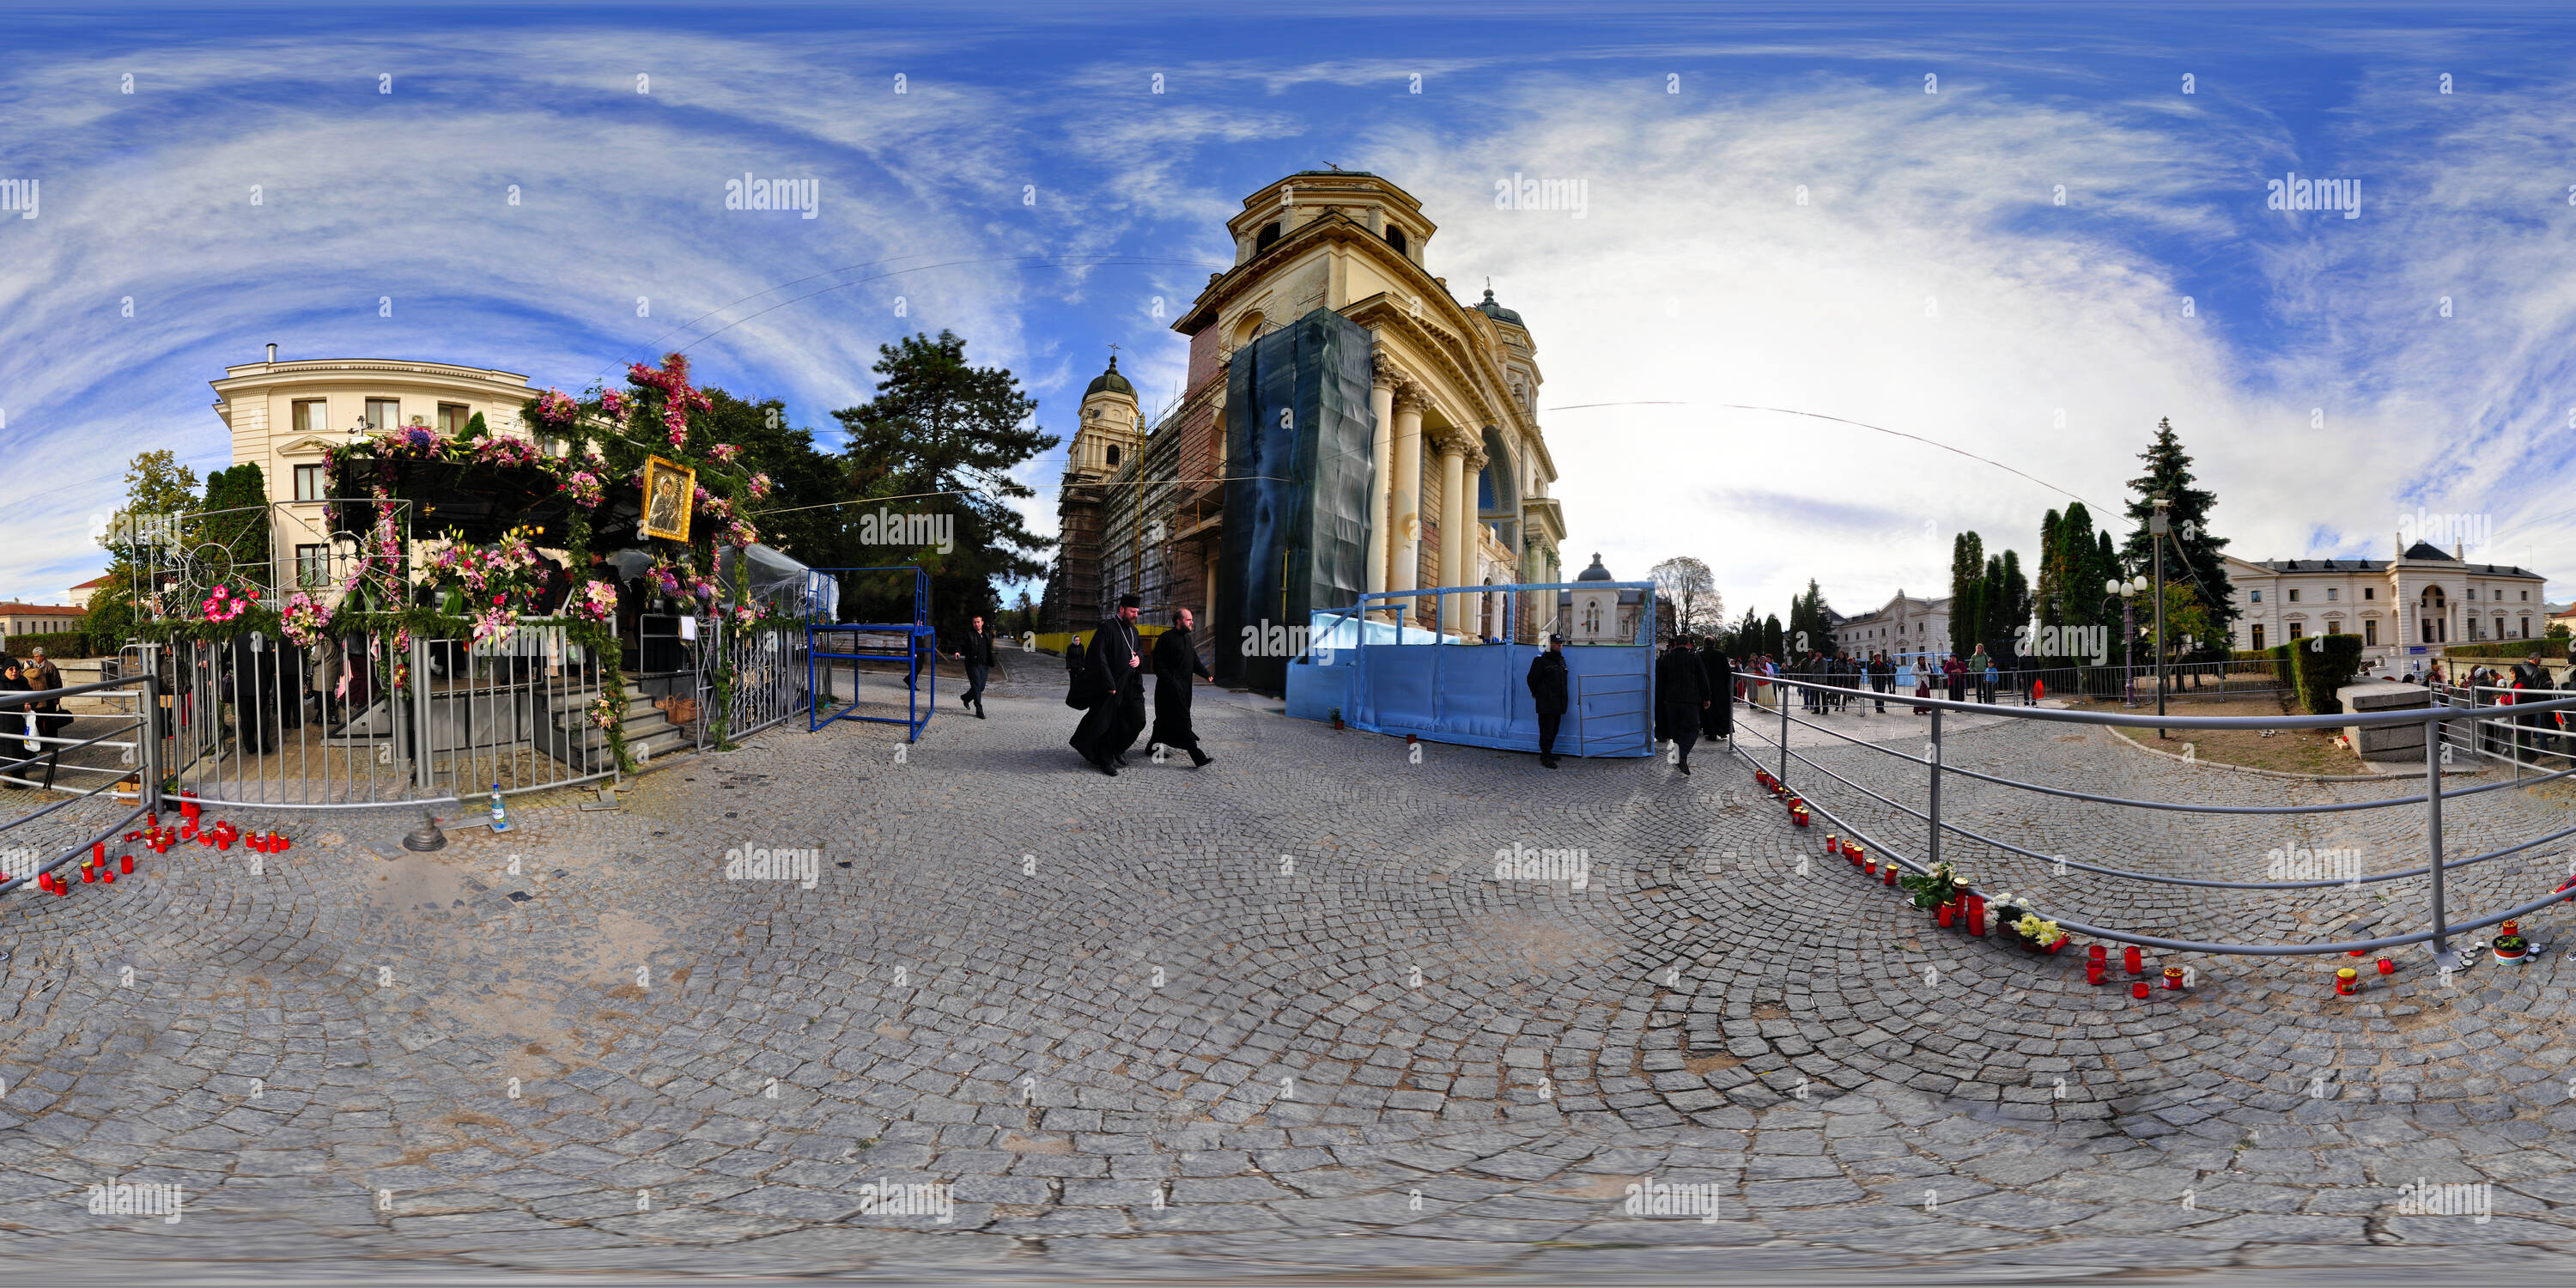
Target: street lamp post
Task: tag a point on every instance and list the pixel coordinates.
(2128, 591)
(2158, 525)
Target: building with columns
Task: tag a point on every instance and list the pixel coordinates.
(2415, 605)
(1460, 471)
(1902, 627)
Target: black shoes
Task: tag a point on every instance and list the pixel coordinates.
(1199, 758)
(979, 713)
(1547, 762)
(1685, 766)
(1105, 767)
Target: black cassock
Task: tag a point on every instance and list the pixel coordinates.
(1117, 712)
(1718, 721)
(1174, 663)
(1678, 684)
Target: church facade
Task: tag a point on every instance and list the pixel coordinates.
(1460, 472)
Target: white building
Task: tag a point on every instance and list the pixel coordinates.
(2414, 605)
(1903, 627)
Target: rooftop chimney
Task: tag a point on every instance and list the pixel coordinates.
(272, 353)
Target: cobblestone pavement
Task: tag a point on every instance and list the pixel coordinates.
(1275, 1016)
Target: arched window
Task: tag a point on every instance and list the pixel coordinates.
(1395, 238)
(1266, 238)
(1113, 455)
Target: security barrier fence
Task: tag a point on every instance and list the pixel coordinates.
(95, 786)
(2456, 727)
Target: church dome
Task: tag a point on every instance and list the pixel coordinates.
(1500, 314)
(1594, 573)
(1111, 382)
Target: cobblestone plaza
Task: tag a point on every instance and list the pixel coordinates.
(1277, 1016)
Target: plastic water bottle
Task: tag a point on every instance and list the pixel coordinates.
(500, 816)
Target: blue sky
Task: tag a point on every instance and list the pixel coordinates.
(1029, 190)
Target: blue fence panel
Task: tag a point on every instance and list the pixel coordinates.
(1475, 694)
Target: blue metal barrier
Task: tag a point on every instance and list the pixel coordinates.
(917, 641)
(1386, 678)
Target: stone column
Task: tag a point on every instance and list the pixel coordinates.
(1457, 506)
(1381, 517)
(1404, 498)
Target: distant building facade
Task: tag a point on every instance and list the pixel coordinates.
(1905, 626)
(2415, 605)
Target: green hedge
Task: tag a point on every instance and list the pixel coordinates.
(2510, 648)
(57, 644)
(2319, 665)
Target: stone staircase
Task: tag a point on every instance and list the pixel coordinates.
(649, 733)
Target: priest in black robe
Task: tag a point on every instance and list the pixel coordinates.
(1175, 662)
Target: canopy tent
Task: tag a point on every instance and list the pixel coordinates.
(771, 578)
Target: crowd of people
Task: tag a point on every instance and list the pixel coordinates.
(23, 723)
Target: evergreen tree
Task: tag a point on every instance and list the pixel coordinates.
(941, 438)
(2047, 594)
(2199, 565)
(234, 519)
(1771, 638)
(2013, 598)
(1967, 567)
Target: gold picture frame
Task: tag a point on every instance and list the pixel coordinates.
(670, 493)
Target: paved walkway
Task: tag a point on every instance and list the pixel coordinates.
(1273, 1016)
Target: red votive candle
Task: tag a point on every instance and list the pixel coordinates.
(1976, 914)
(2387, 967)
(2092, 972)
(89, 875)
(1949, 912)
(2173, 976)
(1871, 868)
(1891, 874)
(2093, 953)
(2139, 990)
(2129, 959)
(125, 862)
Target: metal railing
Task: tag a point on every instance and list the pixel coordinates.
(136, 773)
(2447, 728)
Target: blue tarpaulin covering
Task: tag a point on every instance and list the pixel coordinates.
(1383, 680)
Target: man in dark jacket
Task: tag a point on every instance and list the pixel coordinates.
(1175, 661)
(1117, 711)
(1717, 675)
(977, 651)
(1678, 684)
(1547, 694)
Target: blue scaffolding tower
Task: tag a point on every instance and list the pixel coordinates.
(911, 641)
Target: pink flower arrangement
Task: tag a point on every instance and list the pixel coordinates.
(494, 622)
(760, 487)
(555, 408)
(505, 449)
(306, 621)
(585, 488)
(223, 605)
(679, 397)
(597, 601)
(614, 403)
(724, 453)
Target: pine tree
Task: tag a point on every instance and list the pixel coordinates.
(2200, 565)
(1967, 566)
(2050, 591)
(2014, 601)
(1771, 638)
(944, 437)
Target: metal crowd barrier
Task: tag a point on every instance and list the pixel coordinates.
(2438, 721)
(22, 744)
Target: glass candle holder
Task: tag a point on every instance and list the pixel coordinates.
(2139, 990)
(2173, 977)
(2130, 961)
(2094, 953)
(2387, 967)
(2347, 981)
(2093, 972)
(1948, 913)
